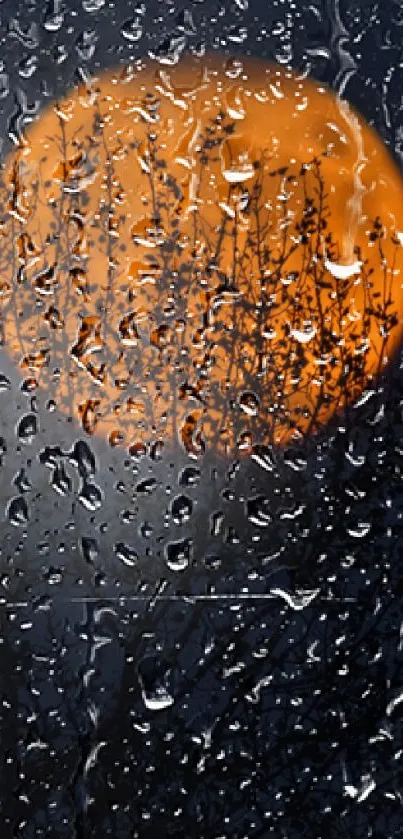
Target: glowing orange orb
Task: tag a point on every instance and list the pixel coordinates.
(210, 253)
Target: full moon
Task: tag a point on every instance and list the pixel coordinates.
(208, 253)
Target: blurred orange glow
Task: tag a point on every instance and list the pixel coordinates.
(210, 253)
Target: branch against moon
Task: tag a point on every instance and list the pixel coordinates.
(204, 255)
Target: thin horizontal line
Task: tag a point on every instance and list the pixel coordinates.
(172, 597)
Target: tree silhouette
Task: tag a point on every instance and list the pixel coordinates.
(235, 322)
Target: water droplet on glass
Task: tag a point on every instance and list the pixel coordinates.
(5, 383)
(22, 482)
(86, 43)
(27, 428)
(3, 447)
(178, 554)
(29, 385)
(17, 511)
(83, 458)
(90, 548)
(145, 530)
(361, 529)
(138, 450)
(90, 496)
(126, 553)
(147, 486)
(303, 336)
(60, 53)
(169, 51)
(61, 481)
(93, 5)
(153, 684)
(249, 403)
(27, 37)
(237, 34)
(4, 82)
(181, 509)
(116, 437)
(190, 476)
(49, 455)
(132, 29)
(191, 435)
(212, 562)
(185, 22)
(55, 19)
(28, 66)
(156, 450)
(216, 522)
(258, 511)
(262, 455)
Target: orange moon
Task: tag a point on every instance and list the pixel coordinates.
(209, 254)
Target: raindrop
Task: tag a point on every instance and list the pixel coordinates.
(298, 600)
(127, 516)
(132, 29)
(258, 511)
(181, 509)
(178, 554)
(17, 511)
(137, 450)
(169, 51)
(303, 336)
(362, 529)
(28, 66)
(90, 496)
(93, 5)
(83, 458)
(116, 437)
(237, 34)
(156, 450)
(212, 562)
(43, 603)
(88, 412)
(4, 82)
(159, 336)
(145, 530)
(60, 53)
(263, 457)
(28, 37)
(86, 43)
(216, 521)
(29, 385)
(55, 18)
(5, 383)
(49, 456)
(294, 461)
(185, 22)
(54, 576)
(249, 403)
(90, 548)
(22, 482)
(191, 435)
(147, 486)
(153, 684)
(126, 553)
(27, 428)
(60, 481)
(238, 174)
(190, 476)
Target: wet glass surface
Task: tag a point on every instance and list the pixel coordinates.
(200, 419)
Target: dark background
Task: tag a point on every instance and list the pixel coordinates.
(255, 693)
